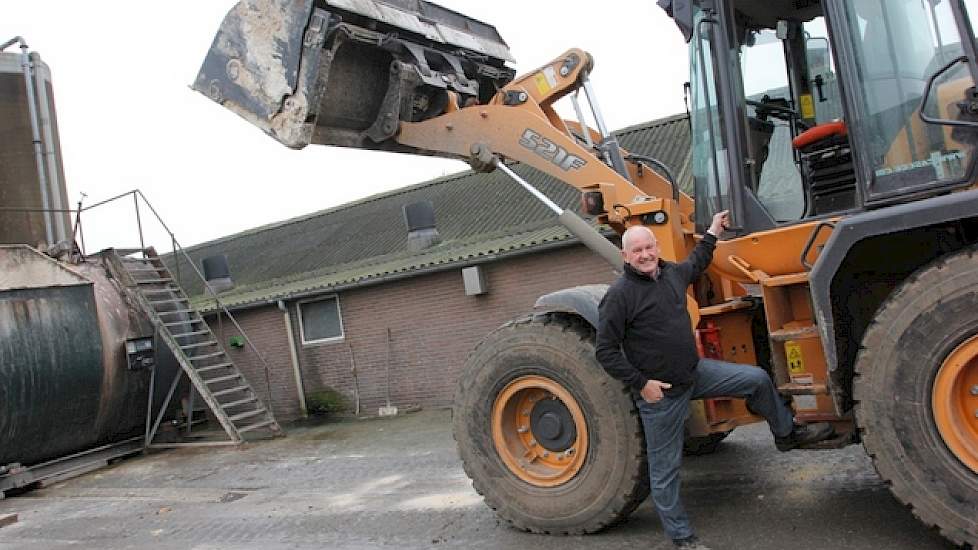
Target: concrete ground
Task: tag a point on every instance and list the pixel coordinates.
(398, 483)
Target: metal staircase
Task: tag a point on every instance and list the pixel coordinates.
(202, 357)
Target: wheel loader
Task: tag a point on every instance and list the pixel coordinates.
(840, 135)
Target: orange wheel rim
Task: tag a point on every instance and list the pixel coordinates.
(955, 402)
(521, 432)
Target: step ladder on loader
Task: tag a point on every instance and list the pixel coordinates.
(202, 357)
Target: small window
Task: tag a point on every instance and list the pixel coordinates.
(320, 321)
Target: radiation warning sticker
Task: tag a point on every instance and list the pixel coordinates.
(796, 362)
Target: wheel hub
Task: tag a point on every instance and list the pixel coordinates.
(955, 402)
(552, 425)
(539, 431)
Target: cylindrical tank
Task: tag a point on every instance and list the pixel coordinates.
(65, 385)
(23, 182)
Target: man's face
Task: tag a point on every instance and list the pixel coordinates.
(642, 252)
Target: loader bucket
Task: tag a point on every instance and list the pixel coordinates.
(347, 72)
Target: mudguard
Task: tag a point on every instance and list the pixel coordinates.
(580, 300)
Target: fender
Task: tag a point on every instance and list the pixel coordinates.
(848, 232)
(580, 300)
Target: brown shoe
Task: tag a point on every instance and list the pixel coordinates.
(804, 434)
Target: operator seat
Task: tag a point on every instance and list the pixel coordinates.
(826, 159)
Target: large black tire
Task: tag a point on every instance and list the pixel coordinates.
(927, 317)
(613, 478)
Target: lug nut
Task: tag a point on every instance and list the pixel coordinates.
(974, 390)
(533, 443)
(569, 452)
(521, 429)
(546, 454)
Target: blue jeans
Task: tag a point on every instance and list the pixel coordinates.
(664, 421)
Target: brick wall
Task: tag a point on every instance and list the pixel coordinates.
(433, 327)
(265, 327)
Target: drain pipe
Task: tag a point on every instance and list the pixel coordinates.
(35, 132)
(295, 358)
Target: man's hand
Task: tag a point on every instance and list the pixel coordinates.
(652, 392)
(721, 221)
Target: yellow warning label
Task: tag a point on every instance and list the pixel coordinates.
(807, 106)
(543, 84)
(796, 362)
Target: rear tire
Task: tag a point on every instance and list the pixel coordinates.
(928, 317)
(611, 480)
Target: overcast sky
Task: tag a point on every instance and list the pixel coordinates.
(128, 119)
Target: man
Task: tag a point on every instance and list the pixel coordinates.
(645, 340)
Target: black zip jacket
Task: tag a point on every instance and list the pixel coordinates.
(644, 329)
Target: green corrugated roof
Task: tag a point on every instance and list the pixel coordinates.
(478, 215)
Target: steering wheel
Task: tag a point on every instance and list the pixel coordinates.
(776, 108)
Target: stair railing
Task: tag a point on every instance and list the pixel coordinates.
(178, 253)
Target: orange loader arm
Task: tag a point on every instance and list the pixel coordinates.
(520, 124)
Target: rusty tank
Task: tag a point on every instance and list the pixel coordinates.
(65, 382)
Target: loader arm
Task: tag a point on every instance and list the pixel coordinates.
(416, 78)
(520, 124)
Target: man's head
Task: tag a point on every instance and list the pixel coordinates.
(640, 249)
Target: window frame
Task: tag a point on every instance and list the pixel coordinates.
(339, 315)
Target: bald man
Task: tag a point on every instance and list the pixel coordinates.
(645, 339)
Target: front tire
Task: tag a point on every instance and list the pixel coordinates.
(552, 442)
(916, 392)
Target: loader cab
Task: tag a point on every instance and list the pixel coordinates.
(806, 110)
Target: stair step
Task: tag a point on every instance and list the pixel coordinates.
(146, 269)
(230, 390)
(209, 368)
(176, 312)
(173, 301)
(244, 401)
(199, 344)
(192, 333)
(255, 426)
(153, 281)
(786, 334)
(206, 356)
(172, 290)
(804, 389)
(178, 323)
(247, 414)
(224, 379)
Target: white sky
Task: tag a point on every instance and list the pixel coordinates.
(128, 119)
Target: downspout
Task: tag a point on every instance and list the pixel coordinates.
(295, 357)
(35, 132)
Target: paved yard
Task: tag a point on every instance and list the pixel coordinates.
(398, 483)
